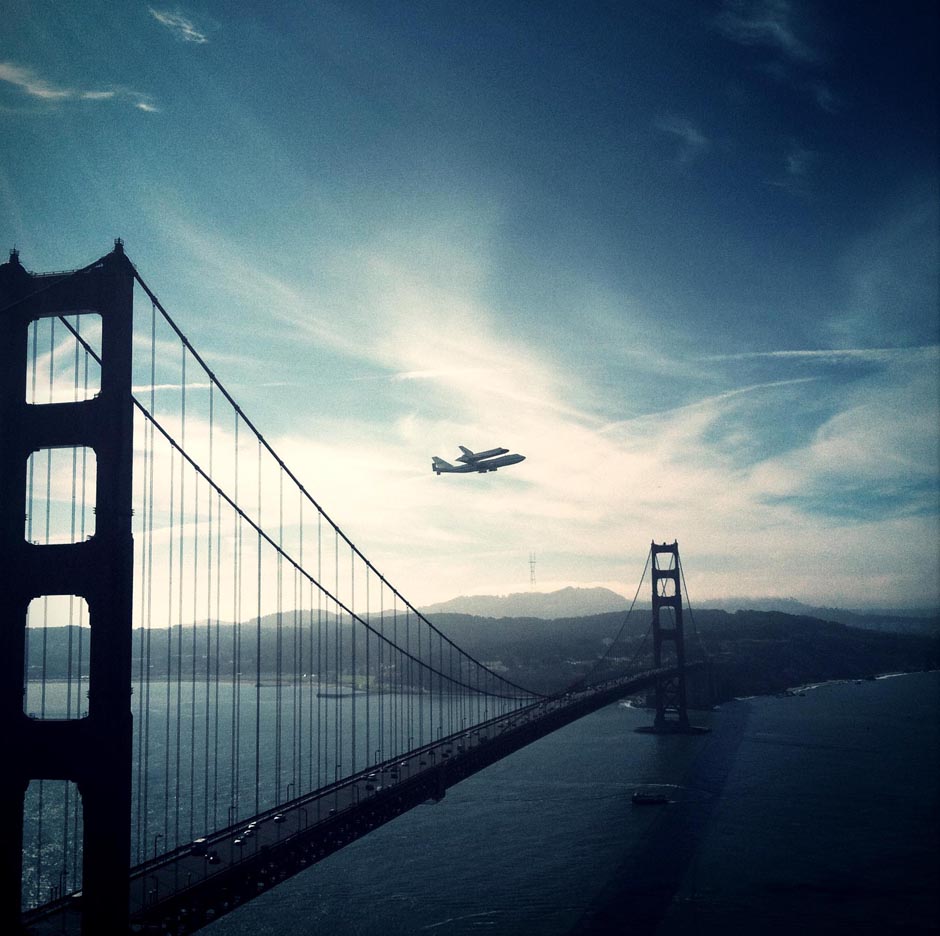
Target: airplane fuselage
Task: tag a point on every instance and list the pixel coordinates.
(479, 464)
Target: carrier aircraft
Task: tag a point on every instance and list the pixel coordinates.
(480, 462)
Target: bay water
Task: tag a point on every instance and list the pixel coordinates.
(816, 813)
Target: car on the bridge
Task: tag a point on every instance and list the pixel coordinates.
(279, 817)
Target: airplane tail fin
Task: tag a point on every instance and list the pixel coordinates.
(464, 449)
(438, 464)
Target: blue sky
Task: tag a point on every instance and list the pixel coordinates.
(682, 255)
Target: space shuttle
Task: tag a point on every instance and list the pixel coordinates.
(481, 462)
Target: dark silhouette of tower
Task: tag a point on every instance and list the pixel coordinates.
(94, 751)
(668, 642)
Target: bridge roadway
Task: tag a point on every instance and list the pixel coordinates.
(183, 890)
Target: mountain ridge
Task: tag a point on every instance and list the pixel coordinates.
(564, 602)
(571, 601)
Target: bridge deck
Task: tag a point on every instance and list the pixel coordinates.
(183, 890)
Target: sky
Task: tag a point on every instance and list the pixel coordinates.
(683, 256)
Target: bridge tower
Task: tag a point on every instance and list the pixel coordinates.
(94, 751)
(668, 642)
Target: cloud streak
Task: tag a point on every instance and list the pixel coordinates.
(180, 25)
(744, 468)
(767, 23)
(35, 86)
(692, 142)
(835, 355)
(32, 84)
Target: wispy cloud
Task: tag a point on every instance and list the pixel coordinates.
(774, 27)
(836, 355)
(825, 97)
(180, 25)
(753, 468)
(798, 161)
(891, 276)
(692, 142)
(795, 175)
(32, 84)
(143, 389)
(707, 403)
(764, 23)
(38, 87)
(437, 374)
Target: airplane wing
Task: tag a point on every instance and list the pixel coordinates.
(438, 465)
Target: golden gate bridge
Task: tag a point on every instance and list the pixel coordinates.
(206, 685)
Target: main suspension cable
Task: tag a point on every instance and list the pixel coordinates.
(581, 680)
(262, 535)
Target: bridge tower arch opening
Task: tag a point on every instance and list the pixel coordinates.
(93, 752)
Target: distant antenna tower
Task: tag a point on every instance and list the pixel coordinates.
(532, 570)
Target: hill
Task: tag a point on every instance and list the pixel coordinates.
(902, 621)
(750, 652)
(566, 602)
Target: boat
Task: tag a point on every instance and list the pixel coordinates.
(649, 799)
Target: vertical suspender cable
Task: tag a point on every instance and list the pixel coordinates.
(207, 726)
(279, 646)
(298, 668)
(299, 671)
(193, 674)
(169, 647)
(338, 749)
(321, 730)
(396, 693)
(218, 625)
(181, 588)
(237, 675)
(353, 628)
(210, 551)
(368, 749)
(383, 686)
(258, 654)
